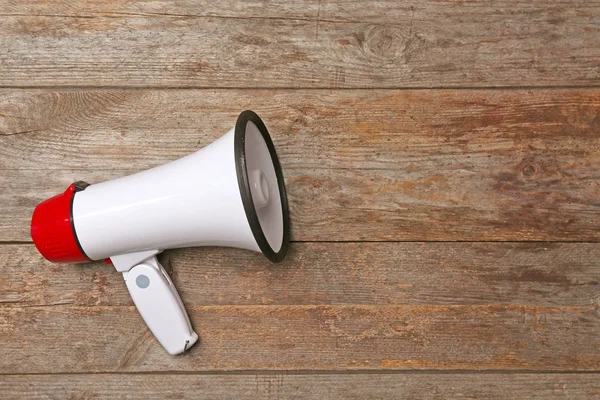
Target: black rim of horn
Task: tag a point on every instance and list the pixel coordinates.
(244, 185)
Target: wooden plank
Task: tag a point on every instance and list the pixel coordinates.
(403, 130)
(360, 165)
(411, 131)
(301, 44)
(310, 386)
(105, 339)
(532, 274)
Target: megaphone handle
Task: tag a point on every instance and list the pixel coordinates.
(159, 304)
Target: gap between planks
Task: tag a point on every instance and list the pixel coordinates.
(277, 88)
(21, 242)
(319, 372)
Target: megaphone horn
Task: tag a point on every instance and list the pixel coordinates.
(230, 193)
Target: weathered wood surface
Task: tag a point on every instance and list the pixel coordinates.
(278, 9)
(360, 165)
(437, 166)
(402, 130)
(107, 339)
(526, 274)
(299, 44)
(425, 386)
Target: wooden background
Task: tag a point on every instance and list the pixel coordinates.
(442, 160)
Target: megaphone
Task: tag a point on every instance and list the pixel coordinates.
(230, 193)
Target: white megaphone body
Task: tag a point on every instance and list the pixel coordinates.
(230, 193)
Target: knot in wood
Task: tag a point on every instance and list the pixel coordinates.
(383, 43)
(529, 170)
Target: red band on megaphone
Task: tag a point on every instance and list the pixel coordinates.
(52, 229)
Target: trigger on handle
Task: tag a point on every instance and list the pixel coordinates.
(160, 306)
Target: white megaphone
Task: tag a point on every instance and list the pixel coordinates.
(230, 193)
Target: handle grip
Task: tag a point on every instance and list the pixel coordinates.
(159, 304)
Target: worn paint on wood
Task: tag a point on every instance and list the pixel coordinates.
(426, 386)
(104, 339)
(360, 165)
(299, 44)
(533, 274)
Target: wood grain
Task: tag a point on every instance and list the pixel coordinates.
(410, 131)
(149, 9)
(381, 296)
(528, 274)
(360, 165)
(424, 386)
(384, 44)
(105, 339)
